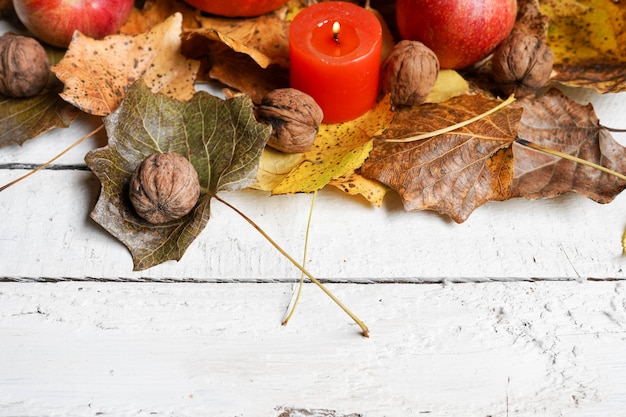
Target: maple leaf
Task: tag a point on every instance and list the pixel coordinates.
(97, 73)
(452, 173)
(221, 138)
(25, 118)
(558, 123)
(588, 39)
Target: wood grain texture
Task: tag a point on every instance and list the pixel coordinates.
(499, 349)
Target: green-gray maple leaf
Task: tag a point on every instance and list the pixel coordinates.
(221, 138)
(23, 119)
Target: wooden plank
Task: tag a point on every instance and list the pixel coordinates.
(499, 349)
(47, 235)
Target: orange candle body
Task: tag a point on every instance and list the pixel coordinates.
(339, 70)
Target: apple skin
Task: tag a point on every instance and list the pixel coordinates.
(54, 21)
(460, 32)
(237, 8)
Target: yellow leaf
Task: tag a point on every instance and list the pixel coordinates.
(449, 84)
(356, 184)
(588, 39)
(97, 73)
(339, 149)
(274, 166)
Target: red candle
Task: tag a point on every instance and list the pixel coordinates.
(334, 51)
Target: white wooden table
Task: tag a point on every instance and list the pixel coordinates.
(520, 311)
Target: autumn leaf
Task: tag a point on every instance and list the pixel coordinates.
(250, 55)
(221, 138)
(155, 12)
(264, 38)
(356, 184)
(452, 173)
(588, 39)
(96, 73)
(339, 149)
(558, 123)
(26, 118)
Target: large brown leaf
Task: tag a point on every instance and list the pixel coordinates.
(556, 122)
(452, 173)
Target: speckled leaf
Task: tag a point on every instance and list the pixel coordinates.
(558, 123)
(339, 149)
(97, 73)
(221, 138)
(26, 118)
(588, 38)
(452, 173)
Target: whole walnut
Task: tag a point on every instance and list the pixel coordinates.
(295, 118)
(522, 64)
(164, 187)
(409, 73)
(24, 66)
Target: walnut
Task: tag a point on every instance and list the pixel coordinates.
(164, 187)
(409, 73)
(295, 118)
(522, 64)
(24, 66)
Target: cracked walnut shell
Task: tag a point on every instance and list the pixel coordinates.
(522, 64)
(24, 66)
(164, 187)
(295, 118)
(409, 73)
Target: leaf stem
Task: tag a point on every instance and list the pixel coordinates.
(451, 128)
(364, 329)
(573, 158)
(44, 165)
(292, 307)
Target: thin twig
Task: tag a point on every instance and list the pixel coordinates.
(66, 150)
(364, 329)
(573, 158)
(451, 128)
(292, 306)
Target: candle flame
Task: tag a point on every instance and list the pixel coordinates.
(336, 29)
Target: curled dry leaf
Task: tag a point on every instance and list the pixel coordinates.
(155, 12)
(452, 173)
(220, 138)
(558, 123)
(250, 55)
(97, 73)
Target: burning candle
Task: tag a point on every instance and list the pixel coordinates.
(334, 51)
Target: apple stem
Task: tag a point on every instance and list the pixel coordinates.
(66, 150)
(573, 158)
(364, 329)
(451, 128)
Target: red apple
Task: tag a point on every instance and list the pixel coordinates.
(237, 8)
(460, 32)
(54, 21)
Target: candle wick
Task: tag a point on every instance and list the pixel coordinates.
(336, 28)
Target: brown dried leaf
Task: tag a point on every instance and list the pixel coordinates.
(558, 123)
(265, 38)
(155, 12)
(97, 73)
(452, 173)
(249, 55)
